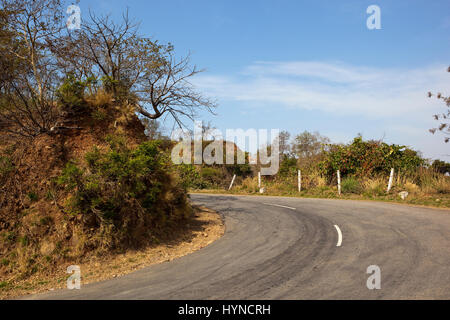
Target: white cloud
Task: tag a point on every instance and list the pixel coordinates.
(334, 88)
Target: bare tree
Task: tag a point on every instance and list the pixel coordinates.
(166, 89)
(309, 144)
(135, 68)
(309, 148)
(38, 53)
(444, 118)
(31, 77)
(105, 50)
(284, 143)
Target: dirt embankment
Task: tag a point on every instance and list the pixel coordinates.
(205, 227)
(40, 232)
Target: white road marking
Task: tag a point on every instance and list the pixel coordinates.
(339, 236)
(277, 205)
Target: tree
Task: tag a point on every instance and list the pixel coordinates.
(107, 51)
(444, 126)
(309, 144)
(284, 143)
(43, 64)
(165, 89)
(441, 166)
(308, 147)
(134, 68)
(27, 87)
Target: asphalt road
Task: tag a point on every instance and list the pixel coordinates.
(291, 252)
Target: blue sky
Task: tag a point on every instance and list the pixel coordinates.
(311, 65)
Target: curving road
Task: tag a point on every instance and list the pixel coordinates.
(286, 248)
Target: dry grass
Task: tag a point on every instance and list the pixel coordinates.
(411, 187)
(101, 99)
(318, 181)
(249, 185)
(425, 187)
(426, 182)
(374, 187)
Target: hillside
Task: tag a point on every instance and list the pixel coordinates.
(60, 205)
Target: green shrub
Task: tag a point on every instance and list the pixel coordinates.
(190, 177)
(350, 185)
(71, 93)
(212, 176)
(369, 158)
(71, 176)
(113, 177)
(288, 167)
(125, 187)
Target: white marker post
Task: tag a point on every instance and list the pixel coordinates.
(391, 177)
(299, 181)
(339, 181)
(259, 180)
(232, 181)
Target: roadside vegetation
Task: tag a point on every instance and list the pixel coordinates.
(364, 167)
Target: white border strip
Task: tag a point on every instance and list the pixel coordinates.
(277, 205)
(339, 236)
